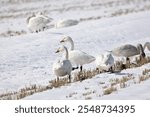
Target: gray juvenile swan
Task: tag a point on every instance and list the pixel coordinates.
(64, 67)
(77, 57)
(128, 50)
(147, 44)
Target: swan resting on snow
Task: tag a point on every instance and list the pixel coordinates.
(66, 23)
(76, 56)
(64, 67)
(105, 62)
(38, 22)
(147, 44)
(129, 50)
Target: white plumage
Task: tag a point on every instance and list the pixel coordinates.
(38, 22)
(104, 61)
(77, 57)
(64, 67)
(66, 23)
(147, 44)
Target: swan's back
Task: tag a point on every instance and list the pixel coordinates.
(125, 50)
(80, 58)
(66, 23)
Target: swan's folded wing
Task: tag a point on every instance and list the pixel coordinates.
(79, 57)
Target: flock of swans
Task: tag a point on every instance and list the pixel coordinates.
(39, 22)
(104, 61)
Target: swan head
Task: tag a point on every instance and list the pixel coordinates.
(147, 44)
(39, 13)
(66, 39)
(60, 49)
(27, 21)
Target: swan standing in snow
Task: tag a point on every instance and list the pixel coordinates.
(66, 23)
(38, 22)
(64, 67)
(128, 51)
(105, 62)
(77, 57)
(147, 44)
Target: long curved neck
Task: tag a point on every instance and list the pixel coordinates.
(140, 49)
(27, 21)
(66, 50)
(72, 44)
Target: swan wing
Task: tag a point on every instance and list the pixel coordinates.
(125, 50)
(80, 58)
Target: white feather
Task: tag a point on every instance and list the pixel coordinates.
(64, 67)
(66, 23)
(104, 61)
(76, 56)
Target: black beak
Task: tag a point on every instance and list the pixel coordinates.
(57, 51)
(61, 41)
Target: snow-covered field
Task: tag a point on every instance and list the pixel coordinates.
(27, 58)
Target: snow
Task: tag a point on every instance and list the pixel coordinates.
(28, 58)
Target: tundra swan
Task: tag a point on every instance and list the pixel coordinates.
(76, 56)
(128, 50)
(147, 44)
(64, 67)
(38, 22)
(65, 23)
(105, 62)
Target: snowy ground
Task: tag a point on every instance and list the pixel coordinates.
(27, 59)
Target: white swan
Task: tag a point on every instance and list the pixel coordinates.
(38, 22)
(105, 62)
(147, 44)
(128, 51)
(64, 67)
(77, 57)
(65, 23)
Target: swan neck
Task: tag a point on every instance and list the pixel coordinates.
(66, 50)
(72, 44)
(140, 49)
(27, 21)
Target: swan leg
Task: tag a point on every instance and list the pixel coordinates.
(127, 62)
(44, 28)
(81, 68)
(57, 78)
(111, 69)
(69, 78)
